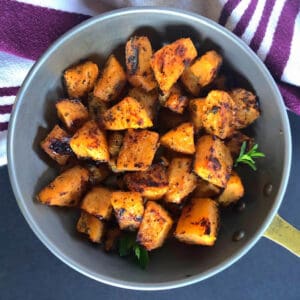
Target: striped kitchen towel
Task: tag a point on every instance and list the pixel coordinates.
(28, 27)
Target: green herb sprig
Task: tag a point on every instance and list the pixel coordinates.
(248, 158)
(128, 245)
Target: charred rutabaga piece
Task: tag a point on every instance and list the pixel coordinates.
(213, 161)
(111, 82)
(80, 79)
(138, 52)
(72, 113)
(66, 189)
(128, 208)
(152, 184)
(56, 145)
(169, 62)
(198, 223)
(155, 226)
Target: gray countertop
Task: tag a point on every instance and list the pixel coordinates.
(29, 271)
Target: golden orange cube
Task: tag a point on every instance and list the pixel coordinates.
(91, 226)
(180, 139)
(128, 113)
(90, 142)
(198, 223)
(128, 208)
(233, 191)
(213, 161)
(72, 113)
(97, 202)
(182, 181)
(202, 72)
(219, 114)
(138, 150)
(80, 79)
(155, 226)
(111, 82)
(169, 62)
(66, 189)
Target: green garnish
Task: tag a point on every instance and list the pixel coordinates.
(248, 158)
(128, 245)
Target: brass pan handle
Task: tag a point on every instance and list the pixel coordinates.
(284, 234)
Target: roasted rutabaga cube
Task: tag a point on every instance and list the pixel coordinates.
(175, 99)
(91, 226)
(115, 141)
(182, 181)
(111, 82)
(206, 189)
(66, 189)
(169, 62)
(138, 52)
(233, 191)
(196, 108)
(128, 208)
(96, 108)
(213, 161)
(72, 113)
(202, 72)
(155, 226)
(180, 139)
(138, 150)
(97, 202)
(80, 79)
(98, 173)
(90, 142)
(128, 113)
(198, 223)
(219, 114)
(56, 145)
(247, 108)
(148, 100)
(152, 184)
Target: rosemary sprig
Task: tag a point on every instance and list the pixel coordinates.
(248, 158)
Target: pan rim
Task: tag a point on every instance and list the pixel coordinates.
(168, 284)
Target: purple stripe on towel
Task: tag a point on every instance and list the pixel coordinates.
(3, 126)
(28, 30)
(9, 91)
(281, 45)
(5, 109)
(262, 26)
(291, 96)
(227, 10)
(245, 19)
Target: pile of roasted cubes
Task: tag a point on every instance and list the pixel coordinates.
(149, 147)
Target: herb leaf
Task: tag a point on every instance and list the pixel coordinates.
(125, 245)
(248, 158)
(128, 245)
(143, 258)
